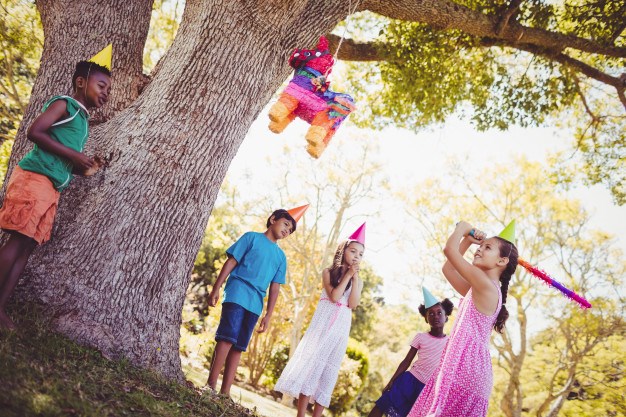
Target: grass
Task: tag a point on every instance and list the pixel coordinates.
(42, 373)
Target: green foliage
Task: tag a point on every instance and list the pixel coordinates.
(5, 153)
(358, 351)
(45, 374)
(21, 43)
(277, 363)
(433, 74)
(166, 17)
(601, 141)
(596, 19)
(371, 391)
(364, 316)
(354, 369)
(439, 73)
(580, 341)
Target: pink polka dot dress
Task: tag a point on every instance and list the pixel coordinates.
(462, 384)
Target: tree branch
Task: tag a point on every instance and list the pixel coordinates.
(378, 51)
(446, 14)
(618, 31)
(506, 16)
(584, 100)
(359, 51)
(588, 70)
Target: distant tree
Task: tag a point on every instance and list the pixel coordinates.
(21, 42)
(571, 370)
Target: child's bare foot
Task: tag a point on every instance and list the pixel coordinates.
(5, 322)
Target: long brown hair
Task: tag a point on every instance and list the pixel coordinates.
(338, 269)
(507, 250)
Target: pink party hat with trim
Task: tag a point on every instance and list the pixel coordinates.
(359, 235)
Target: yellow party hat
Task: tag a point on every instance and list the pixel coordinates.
(103, 57)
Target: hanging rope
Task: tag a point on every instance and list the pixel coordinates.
(351, 11)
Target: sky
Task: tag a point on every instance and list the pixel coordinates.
(410, 157)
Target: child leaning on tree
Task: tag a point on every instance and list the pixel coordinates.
(59, 133)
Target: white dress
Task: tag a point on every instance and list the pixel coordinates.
(314, 367)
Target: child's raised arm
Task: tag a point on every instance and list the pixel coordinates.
(465, 272)
(38, 133)
(454, 278)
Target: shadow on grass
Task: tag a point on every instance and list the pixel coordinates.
(42, 373)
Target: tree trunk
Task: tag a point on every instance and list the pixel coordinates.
(560, 398)
(115, 274)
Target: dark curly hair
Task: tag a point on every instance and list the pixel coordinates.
(507, 250)
(446, 304)
(84, 68)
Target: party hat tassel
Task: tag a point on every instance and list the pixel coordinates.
(542, 275)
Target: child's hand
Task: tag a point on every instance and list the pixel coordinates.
(476, 236)
(264, 325)
(464, 227)
(354, 270)
(214, 297)
(98, 163)
(81, 162)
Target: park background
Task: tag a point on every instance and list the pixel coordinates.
(411, 185)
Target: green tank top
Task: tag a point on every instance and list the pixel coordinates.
(71, 132)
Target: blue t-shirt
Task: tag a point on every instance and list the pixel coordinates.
(259, 263)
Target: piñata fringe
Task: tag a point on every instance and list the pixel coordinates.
(542, 275)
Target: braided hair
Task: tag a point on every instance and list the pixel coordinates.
(507, 250)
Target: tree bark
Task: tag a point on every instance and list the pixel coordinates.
(115, 274)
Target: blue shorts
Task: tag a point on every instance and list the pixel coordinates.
(236, 325)
(399, 400)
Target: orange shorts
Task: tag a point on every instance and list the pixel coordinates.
(30, 205)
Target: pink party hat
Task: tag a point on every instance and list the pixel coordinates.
(359, 235)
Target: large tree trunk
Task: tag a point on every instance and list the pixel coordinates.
(115, 274)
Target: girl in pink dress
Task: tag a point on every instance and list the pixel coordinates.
(312, 371)
(462, 385)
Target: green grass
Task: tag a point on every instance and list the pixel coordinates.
(45, 374)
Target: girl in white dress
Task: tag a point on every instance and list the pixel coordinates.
(312, 371)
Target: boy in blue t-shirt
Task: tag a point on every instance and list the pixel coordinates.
(255, 262)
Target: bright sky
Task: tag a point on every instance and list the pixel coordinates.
(412, 158)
